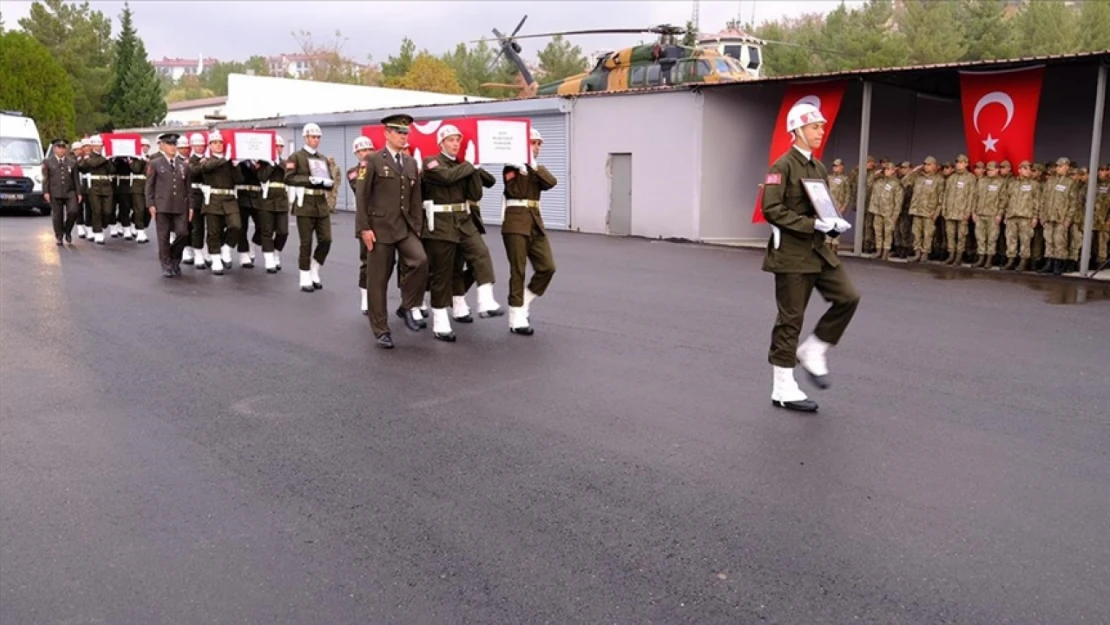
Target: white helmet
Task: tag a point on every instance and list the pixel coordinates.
(145, 142)
(197, 139)
(803, 114)
(215, 136)
(78, 144)
(535, 135)
(362, 143)
(182, 142)
(96, 140)
(280, 140)
(311, 130)
(446, 130)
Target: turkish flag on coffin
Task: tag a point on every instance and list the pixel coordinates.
(422, 137)
(826, 96)
(1000, 113)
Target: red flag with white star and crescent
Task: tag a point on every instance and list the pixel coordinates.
(1000, 113)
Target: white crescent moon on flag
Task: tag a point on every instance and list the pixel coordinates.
(429, 127)
(809, 99)
(994, 97)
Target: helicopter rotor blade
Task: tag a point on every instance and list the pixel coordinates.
(597, 31)
(517, 29)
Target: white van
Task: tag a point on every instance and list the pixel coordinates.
(21, 156)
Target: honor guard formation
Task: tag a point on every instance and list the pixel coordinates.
(425, 218)
(983, 215)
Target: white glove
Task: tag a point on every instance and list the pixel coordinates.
(314, 180)
(327, 183)
(842, 225)
(824, 226)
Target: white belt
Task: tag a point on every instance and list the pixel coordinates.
(100, 177)
(451, 208)
(247, 187)
(523, 203)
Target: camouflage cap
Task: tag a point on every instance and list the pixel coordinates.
(1024, 164)
(870, 158)
(929, 160)
(1005, 165)
(962, 159)
(994, 165)
(947, 164)
(837, 161)
(1063, 160)
(905, 164)
(979, 165)
(1081, 171)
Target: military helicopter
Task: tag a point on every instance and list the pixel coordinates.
(664, 62)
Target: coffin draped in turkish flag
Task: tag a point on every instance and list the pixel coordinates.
(122, 144)
(242, 144)
(422, 136)
(826, 96)
(1000, 113)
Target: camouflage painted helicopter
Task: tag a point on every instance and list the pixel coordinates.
(662, 63)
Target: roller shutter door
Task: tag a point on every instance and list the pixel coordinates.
(555, 157)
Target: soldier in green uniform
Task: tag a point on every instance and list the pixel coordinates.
(272, 227)
(77, 151)
(62, 189)
(307, 172)
(120, 214)
(990, 202)
(886, 201)
(140, 216)
(928, 191)
(1059, 198)
(959, 204)
(1023, 211)
(101, 173)
(801, 261)
(482, 270)
(201, 259)
(221, 211)
(840, 188)
(362, 148)
(389, 219)
(1101, 227)
(248, 195)
(525, 237)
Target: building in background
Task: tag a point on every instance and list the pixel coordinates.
(176, 69)
(195, 112)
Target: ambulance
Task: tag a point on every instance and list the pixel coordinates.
(21, 156)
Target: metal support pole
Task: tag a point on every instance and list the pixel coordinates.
(1092, 185)
(861, 178)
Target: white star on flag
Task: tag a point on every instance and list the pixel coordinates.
(990, 142)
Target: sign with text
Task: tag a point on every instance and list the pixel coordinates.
(122, 144)
(250, 145)
(503, 141)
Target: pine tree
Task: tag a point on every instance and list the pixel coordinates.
(987, 33)
(135, 97)
(933, 32)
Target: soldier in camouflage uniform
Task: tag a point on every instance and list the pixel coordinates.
(903, 226)
(959, 204)
(1102, 214)
(1075, 232)
(840, 188)
(1006, 173)
(971, 249)
(1038, 244)
(1023, 213)
(868, 178)
(886, 201)
(928, 190)
(991, 194)
(1059, 199)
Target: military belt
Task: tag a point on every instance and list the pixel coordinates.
(474, 203)
(524, 203)
(196, 185)
(248, 187)
(308, 191)
(222, 191)
(277, 185)
(100, 177)
(138, 176)
(451, 208)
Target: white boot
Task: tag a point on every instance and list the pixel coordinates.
(441, 325)
(80, 231)
(487, 305)
(99, 237)
(225, 254)
(252, 250)
(811, 355)
(217, 266)
(314, 273)
(306, 282)
(199, 255)
(786, 394)
(142, 238)
(459, 309)
(277, 260)
(129, 232)
(245, 260)
(186, 254)
(417, 314)
(518, 321)
(268, 257)
(365, 302)
(529, 297)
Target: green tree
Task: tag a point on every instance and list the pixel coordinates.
(190, 88)
(472, 69)
(427, 73)
(80, 39)
(987, 33)
(1046, 28)
(1094, 26)
(135, 97)
(258, 64)
(559, 59)
(36, 84)
(690, 37)
(933, 31)
(397, 66)
(214, 78)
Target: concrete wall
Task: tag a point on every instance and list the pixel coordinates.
(663, 133)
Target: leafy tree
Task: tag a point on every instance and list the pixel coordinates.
(987, 33)
(427, 73)
(80, 40)
(135, 97)
(690, 37)
(191, 88)
(933, 31)
(1046, 28)
(472, 68)
(36, 84)
(258, 64)
(326, 62)
(1094, 26)
(397, 66)
(559, 59)
(214, 78)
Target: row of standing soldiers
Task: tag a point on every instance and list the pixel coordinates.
(983, 215)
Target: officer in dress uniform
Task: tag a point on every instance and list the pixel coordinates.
(389, 219)
(362, 147)
(62, 189)
(525, 236)
(168, 199)
(307, 171)
(800, 259)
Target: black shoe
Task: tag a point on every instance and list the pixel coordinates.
(385, 341)
(806, 405)
(525, 331)
(497, 312)
(318, 285)
(69, 238)
(449, 337)
(412, 323)
(464, 319)
(405, 314)
(58, 241)
(820, 381)
(177, 268)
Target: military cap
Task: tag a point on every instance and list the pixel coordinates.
(905, 164)
(169, 138)
(979, 165)
(1104, 166)
(400, 121)
(993, 165)
(962, 158)
(1024, 164)
(1004, 164)
(947, 164)
(61, 142)
(1081, 171)
(1063, 160)
(837, 161)
(870, 158)
(929, 160)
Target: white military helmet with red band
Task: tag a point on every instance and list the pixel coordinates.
(803, 114)
(445, 131)
(197, 139)
(362, 143)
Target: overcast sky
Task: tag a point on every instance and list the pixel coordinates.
(233, 30)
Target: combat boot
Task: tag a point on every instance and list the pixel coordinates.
(951, 260)
(981, 261)
(1058, 266)
(1023, 265)
(1011, 265)
(1048, 266)
(915, 258)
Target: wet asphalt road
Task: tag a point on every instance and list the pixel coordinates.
(229, 450)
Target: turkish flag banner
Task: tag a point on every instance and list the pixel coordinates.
(1000, 113)
(121, 144)
(422, 141)
(826, 96)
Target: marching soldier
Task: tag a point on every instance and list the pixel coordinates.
(362, 147)
(168, 198)
(307, 171)
(1023, 211)
(248, 195)
(525, 236)
(140, 216)
(272, 225)
(121, 198)
(389, 221)
(1059, 198)
(886, 201)
(201, 259)
(482, 270)
(990, 202)
(800, 260)
(221, 211)
(101, 173)
(84, 216)
(840, 188)
(959, 204)
(62, 188)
